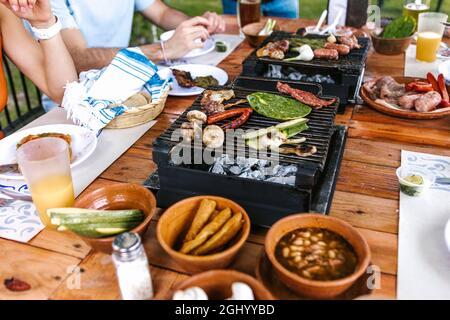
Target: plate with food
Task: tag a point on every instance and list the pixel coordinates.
(408, 97)
(82, 143)
(192, 79)
(208, 45)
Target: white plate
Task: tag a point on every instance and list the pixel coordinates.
(208, 45)
(444, 68)
(83, 144)
(196, 70)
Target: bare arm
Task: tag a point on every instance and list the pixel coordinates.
(47, 63)
(168, 18)
(164, 16)
(96, 58)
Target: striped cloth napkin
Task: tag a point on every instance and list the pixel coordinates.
(87, 101)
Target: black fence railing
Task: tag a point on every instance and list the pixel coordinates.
(24, 103)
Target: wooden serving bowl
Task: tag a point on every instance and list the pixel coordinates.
(251, 32)
(177, 219)
(217, 284)
(390, 46)
(313, 288)
(401, 113)
(118, 196)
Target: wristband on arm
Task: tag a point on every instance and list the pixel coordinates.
(47, 34)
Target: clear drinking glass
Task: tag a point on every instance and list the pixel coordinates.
(248, 11)
(413, 8)
(430, 31)
(45, 164)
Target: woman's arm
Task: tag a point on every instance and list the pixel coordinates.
(168, 18)
(47, 63)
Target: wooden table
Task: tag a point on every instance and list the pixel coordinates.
(366, 196)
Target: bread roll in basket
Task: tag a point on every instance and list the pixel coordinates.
(139, 113)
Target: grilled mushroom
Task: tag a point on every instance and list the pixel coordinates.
(197, 117)
(188, 132)
(213, 136)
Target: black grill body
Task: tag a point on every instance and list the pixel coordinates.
(347, 72)
(266, 202)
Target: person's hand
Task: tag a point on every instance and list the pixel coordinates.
(189, 35)
(37, 12)
(216, 22)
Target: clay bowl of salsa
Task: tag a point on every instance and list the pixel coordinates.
(317, 256)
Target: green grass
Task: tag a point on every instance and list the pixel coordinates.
(142, 30)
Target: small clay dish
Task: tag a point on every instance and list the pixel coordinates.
(118, 196)
(390, 46)
(252, 30)
(314, 288)
(176, 220)
(217, 284)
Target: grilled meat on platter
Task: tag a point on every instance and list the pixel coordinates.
(386, 91)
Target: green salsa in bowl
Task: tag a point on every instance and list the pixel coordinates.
(414, 181)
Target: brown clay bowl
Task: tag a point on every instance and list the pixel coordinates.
(251, 32)
(177, 219)
(312, 288)
(118, 196)
(390, 46)
(217, 284)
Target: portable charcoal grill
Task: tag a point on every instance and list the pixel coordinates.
(347, 72)
(266, 202)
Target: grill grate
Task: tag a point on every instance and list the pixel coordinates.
(319, 134)
(354, 62)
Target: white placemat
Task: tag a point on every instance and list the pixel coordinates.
(18, 219)
(423, 258)
(417, 69)
(214, 58)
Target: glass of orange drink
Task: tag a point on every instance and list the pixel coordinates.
(430, 31)
(45, 164)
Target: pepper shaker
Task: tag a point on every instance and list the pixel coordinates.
(132, 268)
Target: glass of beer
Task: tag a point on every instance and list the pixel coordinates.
(248, 11)
(45, 164)
(413, 8)
(430, 31)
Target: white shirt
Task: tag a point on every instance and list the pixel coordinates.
(103, 23)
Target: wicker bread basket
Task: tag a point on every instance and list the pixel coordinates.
(139, 115)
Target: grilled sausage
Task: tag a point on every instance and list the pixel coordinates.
(341, 48)
(407, 101)
(330, 54)
(428, 102)
(243, 113)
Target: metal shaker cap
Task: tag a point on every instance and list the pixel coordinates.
(127, 245)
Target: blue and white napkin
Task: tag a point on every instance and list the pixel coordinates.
(87, 101)
(19, 220)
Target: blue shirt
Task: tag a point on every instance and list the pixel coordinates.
(103, 23)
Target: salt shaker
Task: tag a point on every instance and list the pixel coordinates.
(132, 268)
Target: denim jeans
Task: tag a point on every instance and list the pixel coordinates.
(274, 8)
(48, 103)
